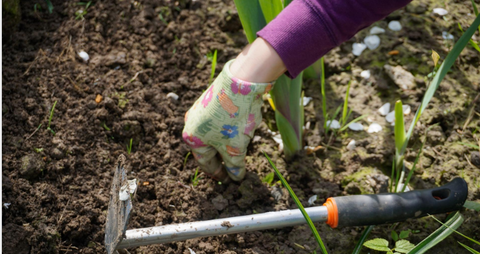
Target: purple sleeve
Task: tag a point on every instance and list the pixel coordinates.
(307, 29)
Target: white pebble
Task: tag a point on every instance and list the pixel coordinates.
(394, 25)
(372, 41)
(333, 124)
(306, 100)
(406, 109)
(384, 109)
(191, 251)
(377, 30)
(365, 74)
(172, 95)
(312, 199)
(351, 145)
(278, 138)
(358, 48)
(390, 117)
(447, 36)
(6, 205)
(356, 127)
(440, 11)
(82, 54)
(256, 138)
(127, 189)
(374, 127)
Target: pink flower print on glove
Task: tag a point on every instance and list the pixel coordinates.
(250, 126)
(192, 141)
(242, 87)
(208, 96)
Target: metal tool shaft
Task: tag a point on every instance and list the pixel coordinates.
(189, 230)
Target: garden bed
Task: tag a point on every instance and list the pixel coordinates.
(58, 184)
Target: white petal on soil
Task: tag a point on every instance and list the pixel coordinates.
(172, 95)
(406, 109)
(365, 74)
(447, 36)
(256, 138)
(394, 25)
(312, 199)
(278, 138)
(351, 145)
(306, 100)
(374, 127)
(82, 54)
(400, 187)
(377, 30)
(6, 205)
(384, 109)
(333, 124)
(358, 48)
(390, 117)
(372, 41)
(440, 11)
(191, 251)
(127, 189)
(356, 127)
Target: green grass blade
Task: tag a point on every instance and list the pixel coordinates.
(391, 177)
(345, 104)
(49, 6)
(413, 167)
(399, 127)
(442, 71)
(214, 64)
(468, 248)
(271, 8)
(300, 206)
(289, 136)
(472, 205)
(469, 145)
(439, 234)
(475, 10)
(466, 237)
(474, 44)
(353, 121)
(251, 17)
(362, 239)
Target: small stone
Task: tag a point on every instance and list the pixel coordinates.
(356, 127)
(358, 48)
(390, 117)
(365, 74)
(6, 205)
(312, 200)
(82, 54)
(333, 124)
(406, 109)
(372, 41)
(394, 25)
(374, 127)
(440, 11)
(220, 202)
(447, 36)
(384, 109)
(351, 145)
(400, 76)
(306, 100)
(172, 95)
(377, 30)
(475, 159)
(31, 166)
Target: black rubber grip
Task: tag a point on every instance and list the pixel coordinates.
(363, 210)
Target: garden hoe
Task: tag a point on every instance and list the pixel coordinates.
(357, 210)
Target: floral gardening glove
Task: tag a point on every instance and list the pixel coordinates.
(222, 121)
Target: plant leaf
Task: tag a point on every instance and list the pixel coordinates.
(300, 206)
(394, 235)
(269, 178)
(468, 248)
(399, 128)
(472, 205)
(379, 244)
(251, 17)
(438, 235)
(404, 234)
(435, 57)
(271, 8)
(403, 246)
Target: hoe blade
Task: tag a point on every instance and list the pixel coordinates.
(118, 210)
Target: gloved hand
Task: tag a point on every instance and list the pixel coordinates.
(222, 121)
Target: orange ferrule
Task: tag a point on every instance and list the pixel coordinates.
(332, 219)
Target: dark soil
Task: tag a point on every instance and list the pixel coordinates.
(57, 181)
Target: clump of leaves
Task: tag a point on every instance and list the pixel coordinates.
(269, 179)
(380, 244)
(196, 177)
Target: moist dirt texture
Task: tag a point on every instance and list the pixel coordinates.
(66, 121)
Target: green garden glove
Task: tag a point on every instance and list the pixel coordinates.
(222, 121)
